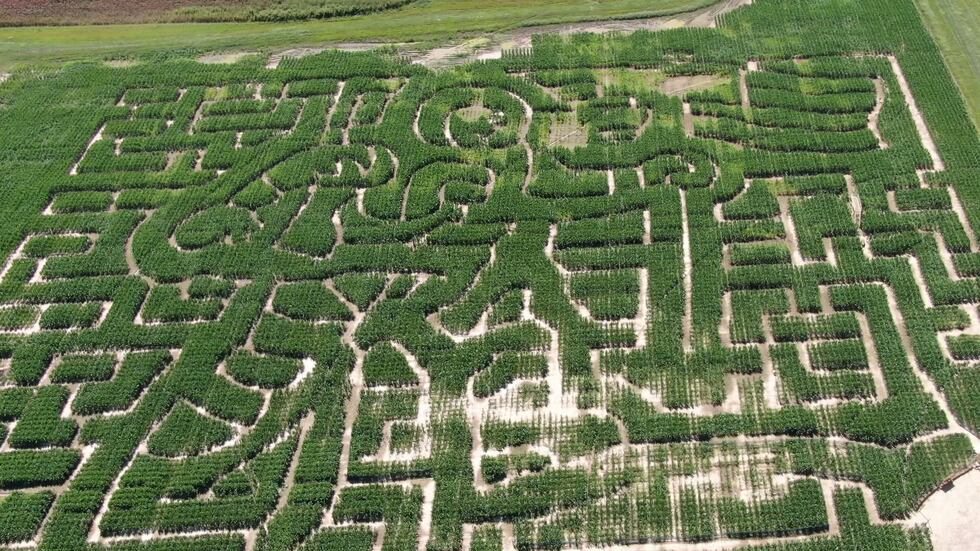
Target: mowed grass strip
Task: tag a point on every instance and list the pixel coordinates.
(955, 26)
(431, 20)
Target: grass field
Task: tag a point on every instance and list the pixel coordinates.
(431, 20)
(955, 25)
(85, 12)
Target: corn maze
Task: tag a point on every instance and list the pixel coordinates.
(695, 289)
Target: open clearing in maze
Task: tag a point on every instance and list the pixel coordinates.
(354, 303)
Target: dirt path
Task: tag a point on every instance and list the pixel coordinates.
(224, 58)
(857, 213)
(351, 410)
(920, 122)
(789, 225)
(743, 89)
(688, 329)
(927, 383)
(688, 120)
(492, 45)
(95, 138)
(963, 218)
(876, 113)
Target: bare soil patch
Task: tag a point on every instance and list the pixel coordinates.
(230, 57)
(951, 514)
(474, 112)
(678, 86)
(454, 54)
(633, 79)
(121, 63)
(567, 132)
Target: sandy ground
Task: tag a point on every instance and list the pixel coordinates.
(121, 63)
(688, 323)
(743, 91)
(231, 57)
(876, 113)
(567, 133)
(678, 86)
(951, 514)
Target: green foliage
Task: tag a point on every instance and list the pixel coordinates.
(352, 295)
(385, 365)
(263, 371)
(187, 432)
(309, 300)
(80, 368)
(21, 514)
(360, 289)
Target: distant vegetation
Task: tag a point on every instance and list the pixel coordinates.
(78, 12)
(428, 20)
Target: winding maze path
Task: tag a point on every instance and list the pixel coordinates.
(350, 303)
